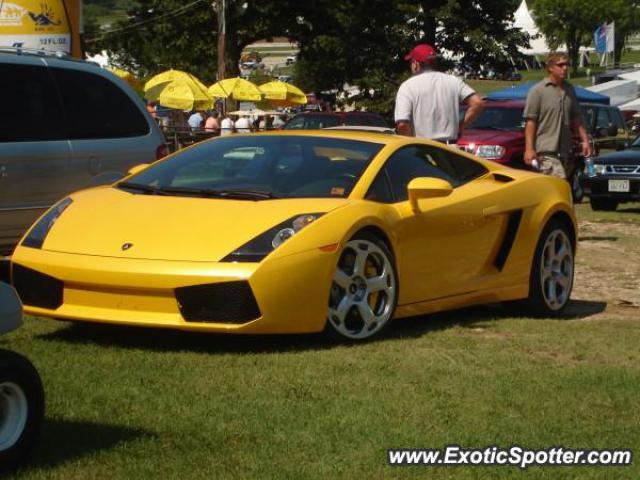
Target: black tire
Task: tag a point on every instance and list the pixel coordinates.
(603, 204)
(354, 327)
(21, 408)
(544, 300)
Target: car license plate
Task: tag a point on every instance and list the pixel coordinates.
(618, 185)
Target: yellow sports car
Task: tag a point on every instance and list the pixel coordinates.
(297, 232)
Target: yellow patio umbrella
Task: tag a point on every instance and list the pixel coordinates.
(179, 90)
(283, 93)
(236, 89)
(126, 76)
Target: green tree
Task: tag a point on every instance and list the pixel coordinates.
(571, 22)
(362, 42)
(626, 15)
(162, 34)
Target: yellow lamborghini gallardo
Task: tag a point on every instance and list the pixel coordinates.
(299, 232)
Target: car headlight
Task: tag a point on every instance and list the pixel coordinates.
(490, 152)
(261, 246)
(599, 169)
(41, 229)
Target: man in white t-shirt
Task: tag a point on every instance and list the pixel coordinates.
(226, 126)
(428, 103)
(243, 124)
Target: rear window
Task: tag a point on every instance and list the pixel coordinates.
(312, 122)
(95, 107)
(31, 108)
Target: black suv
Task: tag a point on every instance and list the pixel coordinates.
(615, 178)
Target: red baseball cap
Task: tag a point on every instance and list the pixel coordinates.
(423, 53)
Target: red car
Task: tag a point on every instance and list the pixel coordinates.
(498, 133)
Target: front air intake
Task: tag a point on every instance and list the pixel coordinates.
(37, 289)
(224, 302)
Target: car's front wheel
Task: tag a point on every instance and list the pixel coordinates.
(21, 408)
(364, 290)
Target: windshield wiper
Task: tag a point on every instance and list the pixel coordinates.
(142, 188)
(212, 193)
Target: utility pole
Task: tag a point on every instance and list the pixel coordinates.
(220, 8)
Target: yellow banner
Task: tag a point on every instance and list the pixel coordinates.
(29, 17)
(34, 24)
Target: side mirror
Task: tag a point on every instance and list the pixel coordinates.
(427, 187)
(137, 168)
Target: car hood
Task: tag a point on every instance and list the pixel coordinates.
(102, 220)
(490, 137)
(624, 157)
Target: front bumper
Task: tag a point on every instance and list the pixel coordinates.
(283, 295)
(598, 187)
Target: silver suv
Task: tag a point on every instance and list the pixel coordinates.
(64, 125)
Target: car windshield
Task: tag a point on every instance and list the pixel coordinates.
(259, 167)
(636, 143)
(499, 118)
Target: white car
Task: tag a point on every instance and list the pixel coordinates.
(21, 392)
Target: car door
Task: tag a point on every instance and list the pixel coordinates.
(34, 152)
(108, 133)
(447, 248)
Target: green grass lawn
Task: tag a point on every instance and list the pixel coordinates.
(135, 403)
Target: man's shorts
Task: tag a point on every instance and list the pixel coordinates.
(552, 164)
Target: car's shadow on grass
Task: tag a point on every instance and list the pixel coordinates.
(63, 441)
(173, 341)
(475, 316)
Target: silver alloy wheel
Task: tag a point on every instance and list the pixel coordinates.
(363, 292)
(14, 411)
(556, 269)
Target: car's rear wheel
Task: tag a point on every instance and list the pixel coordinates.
(21, 408)
(364, 290)
(603, 204)
(551, 278)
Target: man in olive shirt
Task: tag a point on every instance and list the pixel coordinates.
(551, 114)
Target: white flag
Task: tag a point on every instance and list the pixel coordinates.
(611, 37)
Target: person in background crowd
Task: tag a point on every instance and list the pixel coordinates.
(196, 120)
(278, 122)
(151, 108)
(551, 113)
(212, 124)
(227, 126)
(243, 124)
(163, 115)
(428, 103)
(266, 123)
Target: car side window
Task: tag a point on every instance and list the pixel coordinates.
(603, 120)
(428, 161)
(379, 190)
(31, 109)
(96, 107)
(617, 120)
(588, 114)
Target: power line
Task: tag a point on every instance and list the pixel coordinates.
(174, 13)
